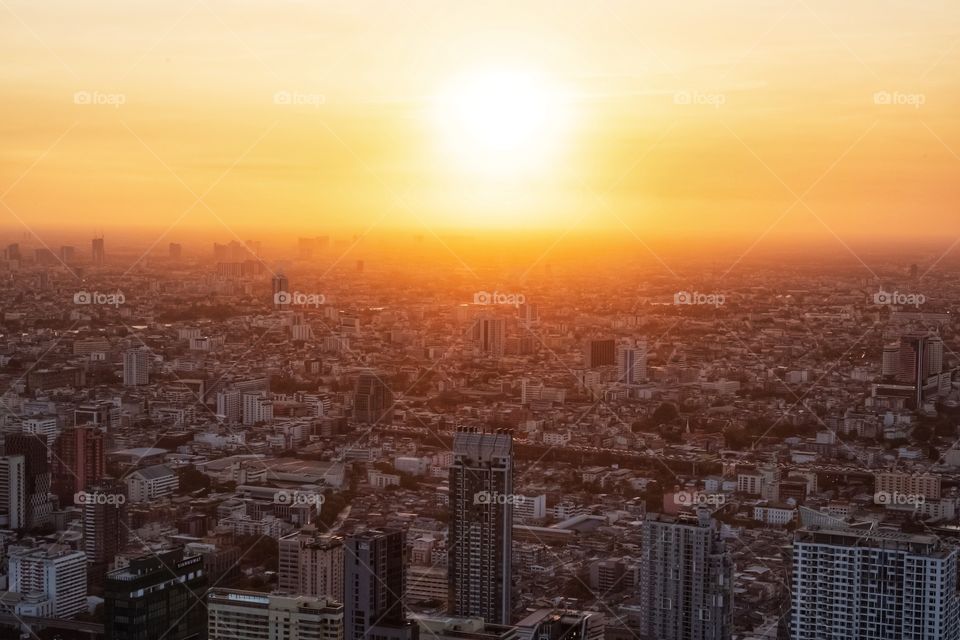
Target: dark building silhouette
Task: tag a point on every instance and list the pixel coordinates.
(374, 584)
(78, 461)
(36, 475)
(372, 400)
(157, 596)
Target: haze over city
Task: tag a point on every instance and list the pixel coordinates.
(355, 320)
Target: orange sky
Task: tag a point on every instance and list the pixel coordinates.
(781, 106)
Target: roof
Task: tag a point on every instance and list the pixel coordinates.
(154, 472)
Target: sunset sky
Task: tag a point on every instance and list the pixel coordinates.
(726, 118)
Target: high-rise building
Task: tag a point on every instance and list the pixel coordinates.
(686, 579)
(36, 473)
(311, 564)
(481, 521)
(136, 367)
(374, 584)
(372, 400)
(859, 585)
(57, 571)
(229, 405)
(280, 286)
(631, 363)
(175, 250)
(105, 528)
(156, 596)
(250, 615)
(599, 353)
(490, 335)
(912, 370)
(78, 461)
(257, 408)
(13, 504)
(97, 251)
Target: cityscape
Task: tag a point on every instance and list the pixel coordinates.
(327, 354)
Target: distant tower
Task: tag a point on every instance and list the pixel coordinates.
(78, 461)
(104, 526)
(97, 251)
(176, 250)
(599, 353)
(136, 367)
(372, 400)
(490, 335)
(374, 585)
(67, 253)
(281, 290)
(481, 525)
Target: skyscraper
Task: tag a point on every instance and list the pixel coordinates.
(105, 528)
(136, 367)
(481, 521)
(175, 251)
(686, 579)
(156, 596)
(375, 581)
(631, 363)
(78, 461)
(97, 251)
(372, 400)
(490, 335)
(859, 585)
(13, 505)
(36, 475)
(599, 353)
(280, 286)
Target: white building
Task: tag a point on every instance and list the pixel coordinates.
(56, 571)
(257, 407)
(775, 514)
(43, 426)
(136, 367)
(249, 615)
(150, 483)
(530, 508)
(856, 584)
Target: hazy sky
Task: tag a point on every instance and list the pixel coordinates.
(679, 117)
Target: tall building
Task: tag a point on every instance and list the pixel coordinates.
(686, 579)
(13, 504)
(156, 596)
(78, 461)
(481, 521)
(372, 400)
(912, 370)
(631, 363)
(311, 564)
(97, 251)
(280, 285)
(136, 367)
(36, 473)
(229, 405)
(859, 585)
(250, 615)
(374, 584)
(490, 335)
(57, 571)
(175, 250)
(599, 353)
(67, 253)
(105, 527)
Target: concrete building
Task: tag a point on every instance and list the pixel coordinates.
(250, 615)
(57, 571)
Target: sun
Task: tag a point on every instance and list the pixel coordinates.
(502, 122)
